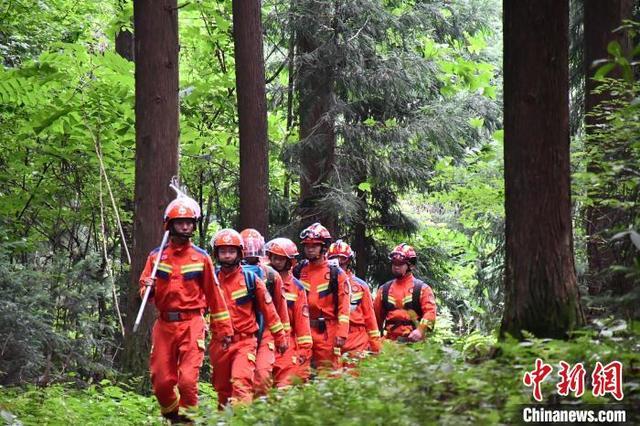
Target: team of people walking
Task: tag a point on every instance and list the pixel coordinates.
(274, 315)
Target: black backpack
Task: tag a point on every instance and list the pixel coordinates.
(414, 304)
(333, 280)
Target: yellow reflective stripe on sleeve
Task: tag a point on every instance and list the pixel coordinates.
(286, 326)
(239, 293)
(193, 267)
(276, 327)
(336, 351)
(251, 356)
(407, 299)
(356, 296)
(322, 287)
(304, 339)
(220, 316)
(165, 267)
(343, 319)
(392, 300)
(306, 285)
(374, 333)
(291, 296)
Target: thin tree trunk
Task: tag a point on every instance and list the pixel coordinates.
(541, 290)
(156, 35)
(600, 19)
(252, 115)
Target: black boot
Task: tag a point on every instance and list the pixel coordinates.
(176, 418)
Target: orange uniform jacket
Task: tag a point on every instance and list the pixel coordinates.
(241, 306)
(400, 295)
(315, 279)
(362, 313)
(298, 310)
(184, 281)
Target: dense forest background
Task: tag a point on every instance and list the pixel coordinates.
(384, 119)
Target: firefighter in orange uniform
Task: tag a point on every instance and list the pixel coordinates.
(266, 356)
(328, 297)
(296, 361)
(363, 328)
(248, 299)
(405, 306)
(184, 286)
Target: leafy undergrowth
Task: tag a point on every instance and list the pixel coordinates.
(448, 380)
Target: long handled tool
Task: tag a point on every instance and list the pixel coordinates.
(153, 277)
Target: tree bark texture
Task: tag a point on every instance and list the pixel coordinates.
(317, 135)
(252, 115)
(156, 75)
(601, 18)
(541, 294)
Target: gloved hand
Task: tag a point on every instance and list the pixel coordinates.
(416, 335)
(375, 346)
(226, 342)
(282, 342)
(149, 282)
(302, 356)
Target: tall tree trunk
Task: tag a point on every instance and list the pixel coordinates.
(156, 35)
(252, 115)
(541, 289)
(317, 134)
(600, 19)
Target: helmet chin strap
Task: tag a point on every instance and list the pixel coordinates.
(185, 235)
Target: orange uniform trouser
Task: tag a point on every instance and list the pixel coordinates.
(324, 354)
(288, 369)
(357, 344)
(233, 369)
(397, 332)
(177, 352)
(265, 359)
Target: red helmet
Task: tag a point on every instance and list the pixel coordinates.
(340, 248)
(282, 247)
(253, 243)
(227, 237)
(315, 234)
(181, 208)
(403, 253)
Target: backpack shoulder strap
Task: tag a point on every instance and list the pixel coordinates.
(415, 297)
(385, 302)
(298, 283)
(270, 280)
(385, 293)
(298, 268)
(333, 286)
(250, 281)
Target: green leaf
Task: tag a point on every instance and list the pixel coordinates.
(364, 186)
(614, 49)
(476, 122)
(602, 72)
